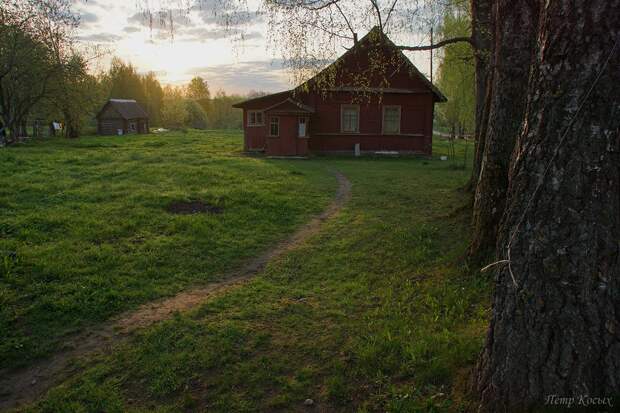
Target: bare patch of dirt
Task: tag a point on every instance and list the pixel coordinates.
(193, 207)
(23, 386)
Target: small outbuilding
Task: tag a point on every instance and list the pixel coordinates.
(121, 117)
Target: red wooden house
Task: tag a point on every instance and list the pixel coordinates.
(372, 96)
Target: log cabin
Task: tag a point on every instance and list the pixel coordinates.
(122, 117)
(371, 99)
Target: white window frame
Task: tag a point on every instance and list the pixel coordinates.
(255, 112)
(305, 129)
(271, 123)
(342, 110)
(400, 118)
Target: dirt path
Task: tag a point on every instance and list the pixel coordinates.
(28, 384)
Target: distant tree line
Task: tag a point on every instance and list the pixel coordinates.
(173, 107)
(45, 77)
(193, 106)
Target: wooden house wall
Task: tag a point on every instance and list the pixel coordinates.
(326, 136)
(415, 128)
(288, 143)
(255, 137)
(109, 126)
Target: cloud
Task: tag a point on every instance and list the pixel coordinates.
(162, 20)
(88, 18)
(251, 36)
(231, 18)
(100, 38)
(195, 25)
(203, 34)
(252, 67)
(131, 29)
(245, 76)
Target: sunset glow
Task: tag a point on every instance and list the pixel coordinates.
(200, 45)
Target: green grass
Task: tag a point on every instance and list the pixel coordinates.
(84, 231)
(375, 313)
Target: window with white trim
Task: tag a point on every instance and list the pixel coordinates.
(274, 126)
(255, 118)
(303, 126)
(391, 120)
(350, 118)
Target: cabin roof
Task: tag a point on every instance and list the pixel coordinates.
(126, 108)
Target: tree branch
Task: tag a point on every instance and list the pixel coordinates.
(387, 19)
(312, 5)
(347, 21)
(378, 11)
(438, 44)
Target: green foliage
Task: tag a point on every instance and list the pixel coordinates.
(222, 115)
(174, 113)
(198, 89)
(77, 96)
(154, 94)
(125, 82)
(196, 115)
(216, 113)
(36, 56)
(456, 72)
(205, 104)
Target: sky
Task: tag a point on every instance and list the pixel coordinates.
(200, 45)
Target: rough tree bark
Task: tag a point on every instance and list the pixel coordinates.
(482, 39)
(515, 36)
(557, 331)
(72, 126)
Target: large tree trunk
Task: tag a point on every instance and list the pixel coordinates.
(482, 33)
(557, 331)
(72, 127)
(23, 128)
(515, 34)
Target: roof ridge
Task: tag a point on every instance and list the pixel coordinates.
(376, 31)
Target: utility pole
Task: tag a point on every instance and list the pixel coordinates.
(431, 54)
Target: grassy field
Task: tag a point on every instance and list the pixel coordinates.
(85, 232)
(376, 313)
